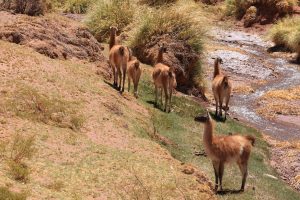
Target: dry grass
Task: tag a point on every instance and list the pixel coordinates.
(289, 94)
(243, 89)
(107, 158)
(280, 102)
(178, 21)
(6, 194)
(27, 102)
(287, 33)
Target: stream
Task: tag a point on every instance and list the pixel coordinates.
(246, 60)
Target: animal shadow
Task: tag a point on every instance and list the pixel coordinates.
(217, 118)
(228, 192)
(112, 85)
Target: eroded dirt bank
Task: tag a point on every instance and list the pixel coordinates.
(255, 73)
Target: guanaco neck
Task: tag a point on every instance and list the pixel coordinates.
(217, 68)
(208, 132)
(112, 39)
(159, 57)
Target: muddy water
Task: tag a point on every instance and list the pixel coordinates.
(246, 60)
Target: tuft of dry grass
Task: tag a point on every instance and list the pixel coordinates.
(243, 89)
(289, 94)
(280, 102)
(27, 102)
(287, 33)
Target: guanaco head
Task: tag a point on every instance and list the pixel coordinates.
(113, 30)
(136, 64)
(162, 48)
(218, 60)
(203, 118)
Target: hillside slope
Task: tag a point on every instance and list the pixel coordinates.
(87, 138)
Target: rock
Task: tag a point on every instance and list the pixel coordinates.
(250, 16)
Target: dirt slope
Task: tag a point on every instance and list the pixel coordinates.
(89, 148)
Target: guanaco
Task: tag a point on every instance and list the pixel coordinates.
(225, 149)
(221, 87)
(119, 55)
(134, 73)
(164, 78)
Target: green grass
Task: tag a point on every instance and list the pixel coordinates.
(179, 127)
(6, 194)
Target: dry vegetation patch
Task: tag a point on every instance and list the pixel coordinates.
(286, 33)
(285, 156)
(51, 35)
(284, 102)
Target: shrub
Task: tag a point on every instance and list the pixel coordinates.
(29, 7)
(19, 171)
(21, 148)
(178, 24)
(5, 194)
(107, 13)
(287, 33)
(77, 6)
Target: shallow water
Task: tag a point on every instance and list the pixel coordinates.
(251, 59)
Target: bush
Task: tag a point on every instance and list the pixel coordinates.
(5, 194)
(108, 13)
(181, 26)
(19, 171)
(29, 7)
(77, 6)
(287, 33)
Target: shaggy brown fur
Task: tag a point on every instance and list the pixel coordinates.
(134, 73)
(119, 55)
(221, 87)
(164, 78)
(226, 149)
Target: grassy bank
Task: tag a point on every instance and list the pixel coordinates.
(185, 137)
